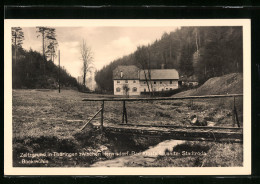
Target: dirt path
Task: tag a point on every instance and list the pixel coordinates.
(147, 156)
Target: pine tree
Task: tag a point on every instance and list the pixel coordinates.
(17, 39)
(49, 41)
(186, 64)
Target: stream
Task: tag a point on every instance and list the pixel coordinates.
(147, 156)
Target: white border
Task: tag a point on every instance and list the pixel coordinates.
(245, 170)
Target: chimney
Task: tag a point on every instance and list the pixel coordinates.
(162, 66)
(121, 74)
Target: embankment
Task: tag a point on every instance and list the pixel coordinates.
(226, 84)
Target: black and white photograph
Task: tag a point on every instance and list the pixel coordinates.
(108, 97)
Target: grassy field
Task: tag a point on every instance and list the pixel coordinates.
(46, 121)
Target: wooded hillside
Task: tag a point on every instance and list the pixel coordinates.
(32, 71)
(203, 52)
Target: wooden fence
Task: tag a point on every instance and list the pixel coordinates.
(124, 100)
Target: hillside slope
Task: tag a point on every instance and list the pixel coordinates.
(226, 84)
(33, 72)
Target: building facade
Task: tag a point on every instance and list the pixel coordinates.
(189, 81)
(130, 80)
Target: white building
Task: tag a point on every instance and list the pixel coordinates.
(130, 80)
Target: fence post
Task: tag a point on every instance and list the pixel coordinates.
(125, 113)
(59, 71)
(235, 116)
(124, 117)
(233, 113)
(102, 115)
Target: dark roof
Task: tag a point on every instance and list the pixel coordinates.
(129, 72)
(160, 74)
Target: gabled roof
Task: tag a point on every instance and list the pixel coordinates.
(160, 74)
(129, 72)
(133, 72)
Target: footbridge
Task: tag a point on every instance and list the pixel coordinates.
(192, 132)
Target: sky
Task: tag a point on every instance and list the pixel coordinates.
(107, 43)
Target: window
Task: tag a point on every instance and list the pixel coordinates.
(170, 81)
(134, 81)
(134, 89)
(144, 82)
(170, 89)
(117, 89)
(160, 82)
(166, 89)
(126, 81)
(162, 89)
(118, 81)
(154, 82)
(144, 90)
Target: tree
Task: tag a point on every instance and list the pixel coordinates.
(49, 41)
(186, 64)
(142, 56)
(87, 58)
(51, 50)
(126, 89)
(17, 36)
(17, 39)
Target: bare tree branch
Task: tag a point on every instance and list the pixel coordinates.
(87, 58)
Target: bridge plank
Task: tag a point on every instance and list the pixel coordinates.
(181, 133)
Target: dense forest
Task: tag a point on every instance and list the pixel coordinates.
(31, 69)
(196, 52)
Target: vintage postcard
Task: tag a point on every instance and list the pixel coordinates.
(127, 97)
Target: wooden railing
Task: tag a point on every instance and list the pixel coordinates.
(161, 98)
(124, 100)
